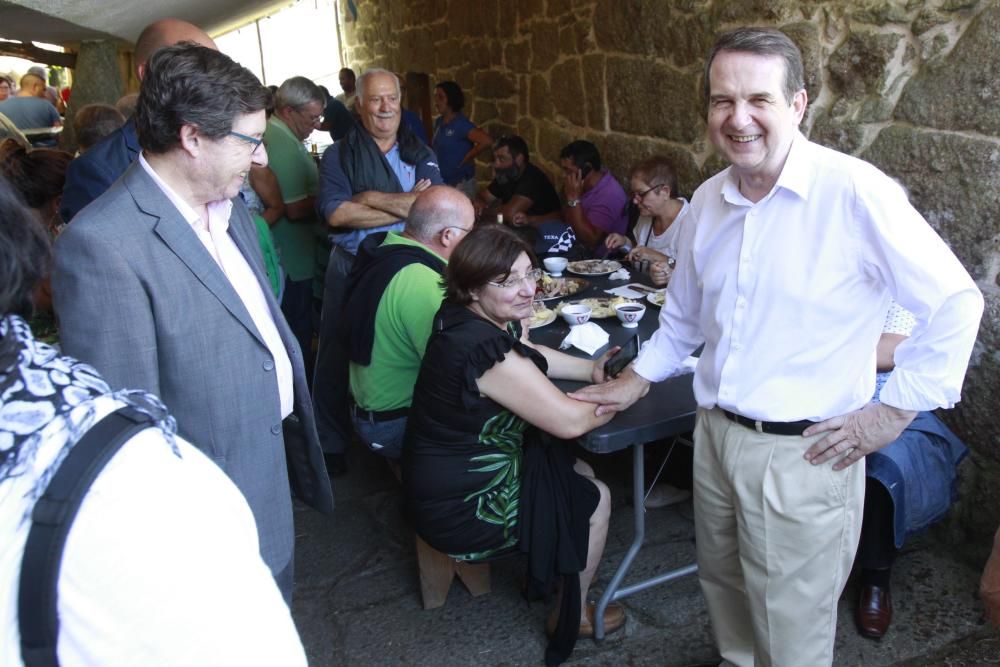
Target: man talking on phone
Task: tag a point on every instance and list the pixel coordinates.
(595, 201)
(786, 278)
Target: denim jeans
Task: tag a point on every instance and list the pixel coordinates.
(385, 438)
(296, 304)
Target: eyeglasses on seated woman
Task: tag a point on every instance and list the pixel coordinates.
(485, 471)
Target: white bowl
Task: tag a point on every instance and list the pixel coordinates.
(575, 314)
(630, 314)
(555, 265)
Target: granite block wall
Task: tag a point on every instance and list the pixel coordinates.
(912, 86)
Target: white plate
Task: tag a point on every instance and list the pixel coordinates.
(601, 306)
(593, 267)
(657, 298)
(549, 319)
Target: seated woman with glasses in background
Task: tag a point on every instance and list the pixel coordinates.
(653, 185)
(483, 471)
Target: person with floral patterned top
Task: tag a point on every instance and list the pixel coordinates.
(162, 565)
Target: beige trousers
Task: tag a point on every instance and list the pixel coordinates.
(776, 538)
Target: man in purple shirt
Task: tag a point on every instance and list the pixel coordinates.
(595, 201)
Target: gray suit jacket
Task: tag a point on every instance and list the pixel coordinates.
(140, 298)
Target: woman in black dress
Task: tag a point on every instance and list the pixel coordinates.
(483, 471)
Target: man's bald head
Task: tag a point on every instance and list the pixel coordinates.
(439, 218)
(31, 85)
(166, 32)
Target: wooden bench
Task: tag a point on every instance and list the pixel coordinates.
(437, 570)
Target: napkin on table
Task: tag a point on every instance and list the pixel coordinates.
(588, 337)
(620, 274)
(629, 292)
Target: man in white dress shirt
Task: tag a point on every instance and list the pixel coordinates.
(160, 286)
(785, 276)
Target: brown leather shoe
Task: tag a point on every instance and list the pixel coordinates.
(614, 618)
(874, 612)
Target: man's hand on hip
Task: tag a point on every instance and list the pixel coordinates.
(857, 434)
(614, 396)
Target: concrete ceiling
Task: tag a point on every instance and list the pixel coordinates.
(67, 22)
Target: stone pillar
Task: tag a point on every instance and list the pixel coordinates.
(96, 79)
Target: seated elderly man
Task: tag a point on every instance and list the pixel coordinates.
(909, 484)
(596, 204)
(394, 290)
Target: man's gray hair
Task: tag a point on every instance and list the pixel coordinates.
(298, 92)
(363, 80)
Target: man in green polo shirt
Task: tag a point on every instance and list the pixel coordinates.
(394, 292)
(298, 110)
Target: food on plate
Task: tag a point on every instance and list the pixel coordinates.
(599, 306)
(657, 298)
(541, 316)
(552, 288)
(593, 267)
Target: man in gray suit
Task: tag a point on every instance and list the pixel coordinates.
(159, 284)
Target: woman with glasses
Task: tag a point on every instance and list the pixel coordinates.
(661, 213)
(484, 471)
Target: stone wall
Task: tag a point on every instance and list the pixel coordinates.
(912, 86)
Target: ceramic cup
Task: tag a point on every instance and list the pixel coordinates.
(555, 265)
(575, 314)
(630, 314)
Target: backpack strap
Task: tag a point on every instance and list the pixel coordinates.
(51, 520)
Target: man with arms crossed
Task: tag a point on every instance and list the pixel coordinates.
(368, 181)
(160, 285)
(786, 277)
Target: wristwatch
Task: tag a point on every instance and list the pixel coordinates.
(572, 203)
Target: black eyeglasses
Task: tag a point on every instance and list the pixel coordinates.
(250, 140)
(642, 195)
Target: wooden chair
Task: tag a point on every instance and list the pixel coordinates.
(437, 570)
